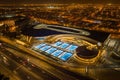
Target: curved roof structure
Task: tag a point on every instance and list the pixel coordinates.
(65, 47)
(61, 29)
(83, 52)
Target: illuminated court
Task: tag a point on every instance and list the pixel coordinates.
(60, 50)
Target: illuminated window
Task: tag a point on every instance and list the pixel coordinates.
(45, 48)
(51, 50)
(64, 45)
(65, 56)
(39, 46)
(57, 53)
(60, 50)
(58, 43)
(72, 47)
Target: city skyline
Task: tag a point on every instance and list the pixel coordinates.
(59, 40)
(57, 1)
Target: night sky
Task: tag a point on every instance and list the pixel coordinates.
(57, 1)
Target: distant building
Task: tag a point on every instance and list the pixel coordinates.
(8, 22)
(112, 45)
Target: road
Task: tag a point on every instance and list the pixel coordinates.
(39, 68)
(25, 70)
(42, 62)
(36, 66)
(11, 65)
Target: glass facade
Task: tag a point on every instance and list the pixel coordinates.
(51, 50)
(39, 46)
(57, 53)
(72, 47)
(45, 48)
(66, 56)
(57, 43)
(64, 45)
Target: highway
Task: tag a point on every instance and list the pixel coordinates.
(16, 69)
(25, 70)
(29, 67)
(41, 61)
(38, 68)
